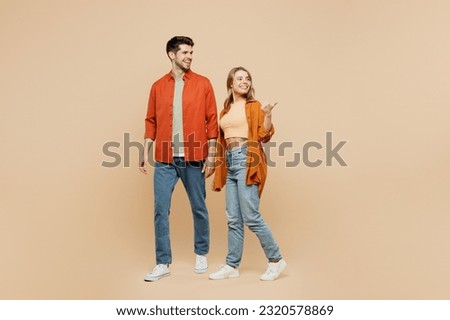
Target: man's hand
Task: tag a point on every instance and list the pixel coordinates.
(144, 158)
(143, 165)
(209, 167)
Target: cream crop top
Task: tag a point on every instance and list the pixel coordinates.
(234, 123)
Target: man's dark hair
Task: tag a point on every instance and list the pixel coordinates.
(174, 43)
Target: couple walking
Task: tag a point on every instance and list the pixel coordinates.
(191, 145)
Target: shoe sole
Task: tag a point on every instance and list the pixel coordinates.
(229, 277)
(156, 278)
(200, 270)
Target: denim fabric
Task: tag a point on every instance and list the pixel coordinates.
(165, 177)
(242, 208)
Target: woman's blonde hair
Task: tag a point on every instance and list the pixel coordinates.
(250, 96)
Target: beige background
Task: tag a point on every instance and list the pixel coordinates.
(76, 74)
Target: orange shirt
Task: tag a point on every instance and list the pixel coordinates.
(199, 116)
(256, 158)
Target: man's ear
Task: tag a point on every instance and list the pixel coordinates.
(171, 55)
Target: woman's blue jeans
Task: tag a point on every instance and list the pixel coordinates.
(242, 208)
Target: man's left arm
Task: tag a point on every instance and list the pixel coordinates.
(208, 166)
(212, 130)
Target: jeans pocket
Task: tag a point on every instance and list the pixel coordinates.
(196, 164)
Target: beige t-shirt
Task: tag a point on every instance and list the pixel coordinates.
(234, 123)
(177, 125)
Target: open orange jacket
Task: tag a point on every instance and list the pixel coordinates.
(199, 116)
(256, 158)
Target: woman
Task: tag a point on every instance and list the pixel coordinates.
(241, 166)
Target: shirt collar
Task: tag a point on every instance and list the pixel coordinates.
(187, 75)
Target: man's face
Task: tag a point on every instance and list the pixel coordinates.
(183, 57)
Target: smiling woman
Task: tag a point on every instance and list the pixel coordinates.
(244, 125)
(76, 74)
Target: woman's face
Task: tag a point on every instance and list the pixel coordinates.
(241, 83)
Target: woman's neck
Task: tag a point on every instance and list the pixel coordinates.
(238, 99)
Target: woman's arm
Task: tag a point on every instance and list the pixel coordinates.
(266, 130)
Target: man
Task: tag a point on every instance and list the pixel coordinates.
(182, 123)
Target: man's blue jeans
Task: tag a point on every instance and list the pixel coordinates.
(242, 207)
(165, 177)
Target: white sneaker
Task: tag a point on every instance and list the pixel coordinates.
(158, 272)
(224, 272)
(201, 264)
(273, 270)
